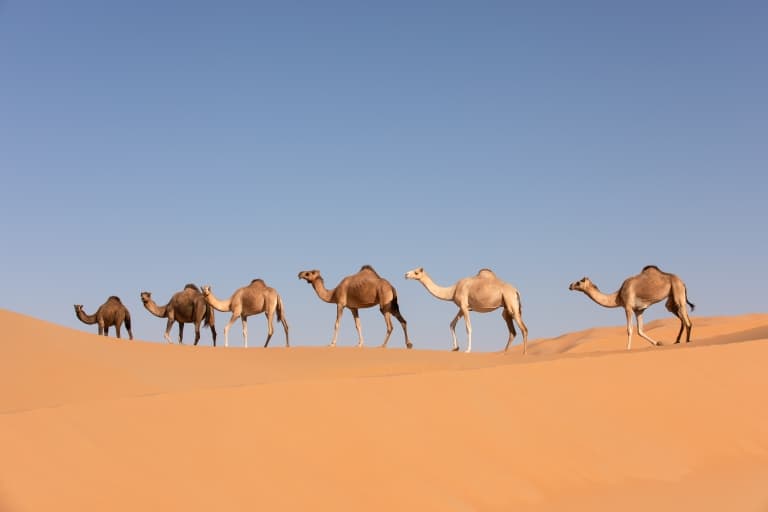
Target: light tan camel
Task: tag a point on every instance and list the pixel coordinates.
(186, 306)
(638, 293)
(362, 290)
(249, 300)
(483, 293)
(112, 312)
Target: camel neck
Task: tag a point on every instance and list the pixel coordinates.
(605, 300)
(319, 286)
(441, 292)
(220, 305)
(156, 310)
(85, 318)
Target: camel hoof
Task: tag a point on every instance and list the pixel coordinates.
(455, 349)
(467, 351)
(409, 345)
(658, 343)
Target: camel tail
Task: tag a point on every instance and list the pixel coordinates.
(395, 306)
(208, 319)
(693, 306)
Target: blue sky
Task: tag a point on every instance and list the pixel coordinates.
(144, 145)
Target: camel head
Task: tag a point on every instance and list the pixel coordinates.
(309, 276)
(78, 308)
(206, 290)
(146, 297)
(581, 285)
(416, 274)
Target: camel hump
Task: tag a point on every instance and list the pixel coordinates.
(191, 286)
(651, 267)
(486, 272)
(258, 282)
(368, 267)
(115, 298)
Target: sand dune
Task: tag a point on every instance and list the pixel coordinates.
(88, 423)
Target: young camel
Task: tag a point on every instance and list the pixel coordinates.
(638, 293)
(249, 300)
(186, 306)
(112, 312)
(362, 290)
(483, 293)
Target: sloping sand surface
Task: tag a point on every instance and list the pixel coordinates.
(88, 423)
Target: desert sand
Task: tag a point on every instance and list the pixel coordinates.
(94, 423)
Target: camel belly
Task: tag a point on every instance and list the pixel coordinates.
(483, 310)
(642, 305)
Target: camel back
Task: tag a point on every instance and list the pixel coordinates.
(258, 282)
(114, 298)
(368, 267)
(191, 286)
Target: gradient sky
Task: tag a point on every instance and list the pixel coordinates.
(144, 145)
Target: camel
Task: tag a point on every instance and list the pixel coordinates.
(112, 312)
(362, 290)
(249, 300)
(638, 293)
(483, 293)
(186, 306)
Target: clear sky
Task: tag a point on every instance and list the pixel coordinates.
(148, 144)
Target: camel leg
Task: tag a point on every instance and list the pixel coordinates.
(213, 333)
(523, 329)
(388, 321)
(511, 326)
(270, 329)
(339, 311)
(168, 325)
(117, 330)
(688, 324)
(680, 311)
(356, 316)
(244, 320)
(680, 332)
(639, 315)
(404, 325)
(284, 321)
(226, 329)
(453, 330)
(685, 321)
(181, 332)
(629, 328)
(197, 332)
(469, 331)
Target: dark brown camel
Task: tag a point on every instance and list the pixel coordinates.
(112, 312)
(186, 306)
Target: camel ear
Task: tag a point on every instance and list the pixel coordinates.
(421, 269)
